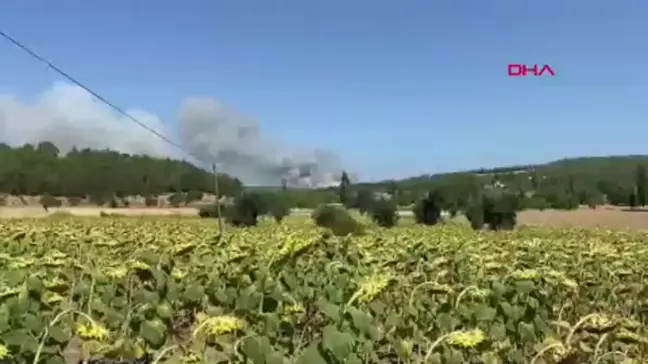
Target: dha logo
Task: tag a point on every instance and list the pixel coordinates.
(524, 70)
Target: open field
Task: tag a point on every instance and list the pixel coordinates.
(284, 294)
(37, 211)
(610, 217)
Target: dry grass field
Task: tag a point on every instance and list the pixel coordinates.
(33, 211)
(606, 217)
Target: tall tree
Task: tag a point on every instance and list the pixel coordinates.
(345, 184)
(534, 180)
(571, 186)
(640, 181)
(632, 199)
(364, 200)
(393, 189)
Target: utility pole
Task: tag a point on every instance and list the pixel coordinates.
(218, 202)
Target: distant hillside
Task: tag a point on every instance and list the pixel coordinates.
(598, 165)
(584, 180)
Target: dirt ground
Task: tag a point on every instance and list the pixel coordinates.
(18, 212)
(608, 217)
(28, 212)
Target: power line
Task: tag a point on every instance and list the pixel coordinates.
(93, 93)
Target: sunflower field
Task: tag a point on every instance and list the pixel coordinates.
(171, 290)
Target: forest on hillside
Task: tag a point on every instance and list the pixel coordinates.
(32, 170)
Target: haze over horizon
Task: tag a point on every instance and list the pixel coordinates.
(304, 91)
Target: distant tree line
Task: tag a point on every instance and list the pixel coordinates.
(495, 208)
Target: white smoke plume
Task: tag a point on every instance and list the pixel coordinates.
(69, 117)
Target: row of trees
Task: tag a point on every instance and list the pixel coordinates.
(492, 208)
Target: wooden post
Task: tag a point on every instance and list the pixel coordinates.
(218, 205)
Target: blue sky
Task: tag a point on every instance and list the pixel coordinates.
(397, 88)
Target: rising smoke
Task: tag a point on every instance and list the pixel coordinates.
(68, 116)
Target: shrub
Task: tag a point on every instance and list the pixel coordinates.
(427, 211)
(113, 203)
(240, 217)
(475, 215)
(337, 219)
(592, 199)
(176, 199)
(632, 200)
(246, 209)
(74, 201)
(536, 202)
(96, 199)
(500, 210)
(209, 211)
(279, 209)
(364, 201)
(48, 201)
(324, 215)
(193, 196)
(563, 201)
(150, 201)
(496, 209)
(384, 213)
(243, 212)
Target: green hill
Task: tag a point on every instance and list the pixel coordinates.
(600, 167)
(583, 178)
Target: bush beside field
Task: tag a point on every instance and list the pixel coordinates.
(287, 293)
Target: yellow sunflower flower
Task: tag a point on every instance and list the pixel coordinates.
(223, 325)
(91, 331)
(4, 352)
(372, 286)
(191, 358)
(296, 308)
(55, 284)
(51, 297)
(178, 273)
(526, 274)
(599, 323)
(20, 263)
(138, 265)
(117, 272)
(631, 337)
(466, 339)
(440, 289)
